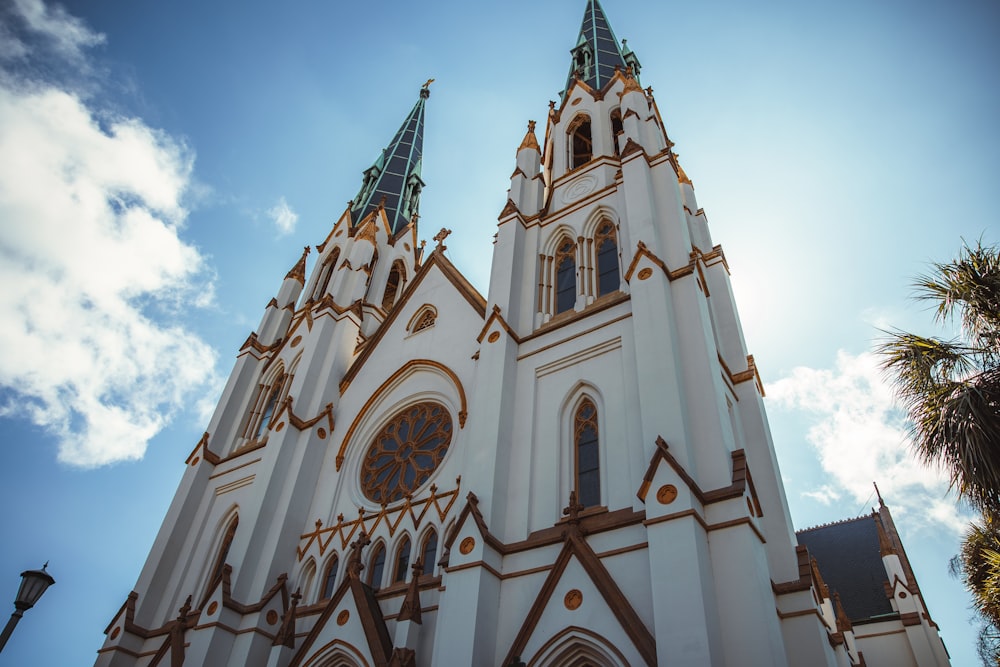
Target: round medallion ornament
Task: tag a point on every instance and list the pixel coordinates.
(321, 432)
(573, 599)
(279, 427)
(114, 633)
(343, 617)
(272, 617)
(296, 341)
(645, 273)
(467, 545)
(406, 452)
(666, 494)
(212, 608)
(494, 337)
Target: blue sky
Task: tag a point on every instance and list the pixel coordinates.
(162, 165)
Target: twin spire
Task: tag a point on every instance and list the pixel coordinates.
(597, 54)
(393, 182)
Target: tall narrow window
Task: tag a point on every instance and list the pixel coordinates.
(430, 552)
(565, 276)
(588, 470)
(616, 129)
(224, 546)
(272, 402)
(392, 286)
(581, 143)
(608, 279)
(329, 266)
(377, 566)
(331, 578)
(402, 561)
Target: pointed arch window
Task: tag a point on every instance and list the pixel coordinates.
(223, 554)
(393, 284)
(377, 566)
(330, 578)
(588, 470)
(608, 279)
(402, 561)
(429, 552)
(617, 127)
(270, 404)
(329, 267)
(565, 276)
(581, 144)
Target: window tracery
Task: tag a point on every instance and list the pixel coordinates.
(565, 278)
(377, 566)
(429, 552)
(585, 440)
(606, 245)
(330, 578)
(406, 452)
(402, 561)
(581, 144)
(392, 286)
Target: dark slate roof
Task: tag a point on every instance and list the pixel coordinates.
(596, 33)
(398, 164)
(851, 564)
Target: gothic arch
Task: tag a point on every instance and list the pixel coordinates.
(578, 647)
(401, 558)
(337, 653)
(328, 267)
(265, 403)
(423, 552)
(306, 579)
(424, 318)
(224, 535)
(378, 558)
(581, 395)
(395, 282)
(559, 279)
(376, 403)
(579, 141)
(328, 578)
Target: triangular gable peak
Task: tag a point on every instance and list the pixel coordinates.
(452, 274)
(352, 612)
(577, 549)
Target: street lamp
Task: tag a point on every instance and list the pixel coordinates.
(33, 584)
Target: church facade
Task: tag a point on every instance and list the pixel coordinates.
(574, 469)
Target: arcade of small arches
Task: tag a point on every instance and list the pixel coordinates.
(580, 138)
(385, 565)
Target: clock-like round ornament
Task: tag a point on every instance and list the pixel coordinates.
(406, 452)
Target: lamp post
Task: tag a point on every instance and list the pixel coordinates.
(33, 584)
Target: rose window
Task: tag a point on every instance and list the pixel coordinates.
(406, 452)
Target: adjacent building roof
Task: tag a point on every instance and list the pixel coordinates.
(851, 564)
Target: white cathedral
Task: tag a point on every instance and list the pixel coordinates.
(575, 469)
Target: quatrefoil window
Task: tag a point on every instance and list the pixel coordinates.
(406, 452)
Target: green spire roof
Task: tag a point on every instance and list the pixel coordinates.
(395, 177)
(597, 52)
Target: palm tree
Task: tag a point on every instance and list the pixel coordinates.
(951, 388)
(978, 566)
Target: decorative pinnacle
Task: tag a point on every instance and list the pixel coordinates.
(298, 272)
(530, 141)
(440, 237)
(885, 547)
(425, 90)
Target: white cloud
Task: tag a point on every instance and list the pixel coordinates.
(90, 258)
(283, 216)
(68, 35)
(861, 437)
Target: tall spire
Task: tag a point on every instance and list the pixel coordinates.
(393, 182)
(597, 53)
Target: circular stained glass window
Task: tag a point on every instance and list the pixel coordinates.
(406, 452)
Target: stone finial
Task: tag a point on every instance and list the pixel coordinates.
(298, 272)
(530, 141)
(354, 564)
(440, 237)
